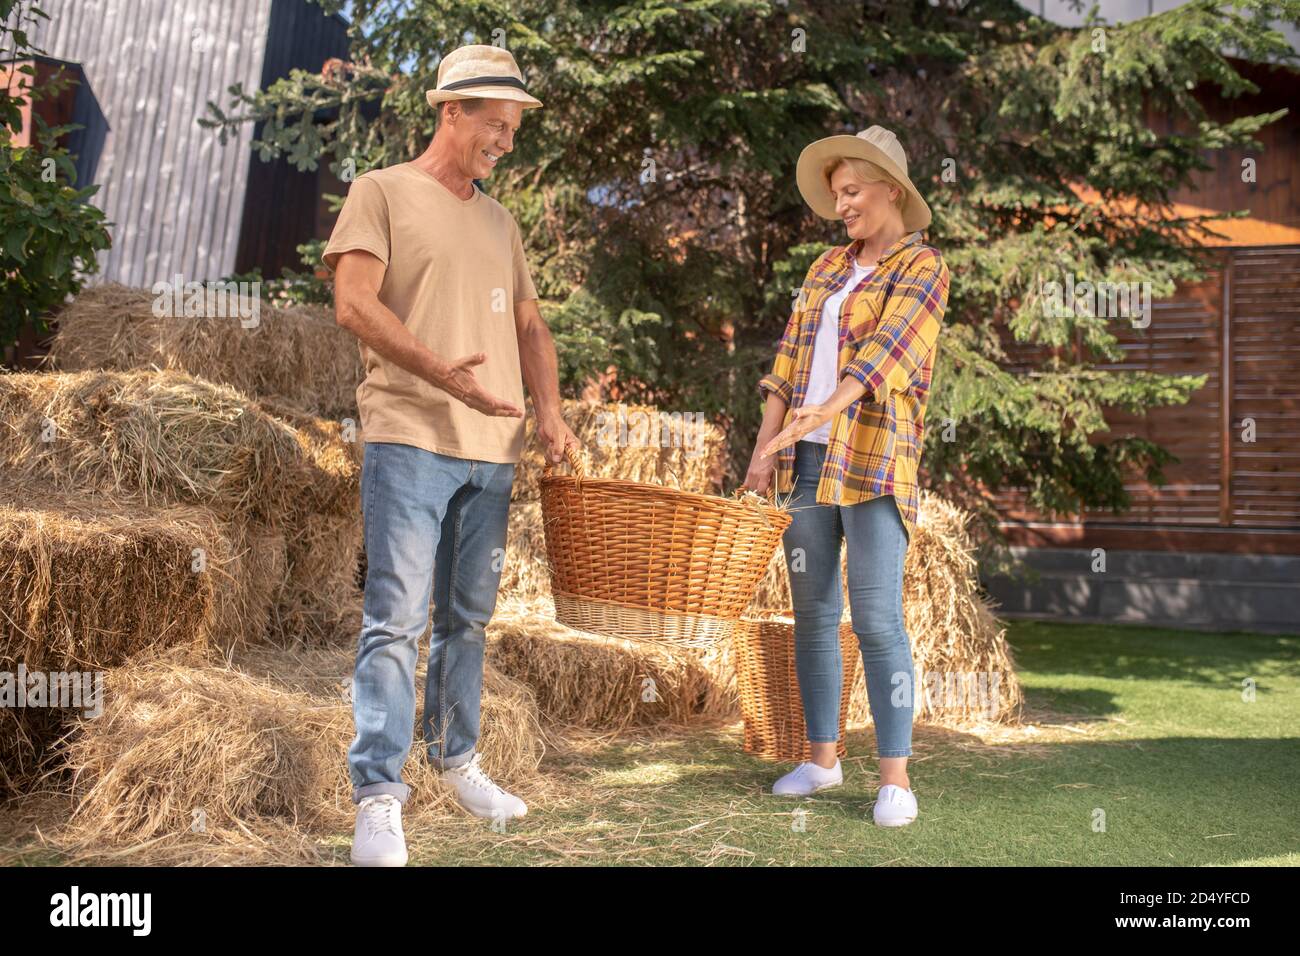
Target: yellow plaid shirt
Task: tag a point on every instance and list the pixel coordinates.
(888, 328)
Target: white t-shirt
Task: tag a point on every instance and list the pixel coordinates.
(824, 377)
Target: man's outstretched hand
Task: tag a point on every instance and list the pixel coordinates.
(459, 381)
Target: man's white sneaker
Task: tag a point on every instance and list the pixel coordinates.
(807, 779)
(377, 839)
(895, 807)
(479, 795)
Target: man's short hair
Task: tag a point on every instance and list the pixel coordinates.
(469, 105)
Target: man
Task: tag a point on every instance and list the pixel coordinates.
(429, 274)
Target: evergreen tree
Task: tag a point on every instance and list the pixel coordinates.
(667, 238)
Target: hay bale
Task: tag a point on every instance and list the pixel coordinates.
(319, 600)
(632, 442)
(331, 456)
(607, 684)
(170, 438)
(297, 353)
(956, 638)
(259, 747)
(26, 738)
(525, 575)
(86, 583)
(92, 581)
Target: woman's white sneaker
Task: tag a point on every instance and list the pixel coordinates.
(479, 795)
(377, 839)
(807, 778)
(895, 807)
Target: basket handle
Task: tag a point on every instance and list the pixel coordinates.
(770, 496)
(742, 488)
(575, 462)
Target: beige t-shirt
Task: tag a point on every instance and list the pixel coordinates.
(455, 269)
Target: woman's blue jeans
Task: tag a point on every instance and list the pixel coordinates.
(434, 525)
(877, 543)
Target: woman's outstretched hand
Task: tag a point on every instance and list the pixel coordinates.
(805, 420)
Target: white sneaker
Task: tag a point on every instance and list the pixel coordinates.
(479, 795)
(377, 839)
(807, 779)
(895, 807)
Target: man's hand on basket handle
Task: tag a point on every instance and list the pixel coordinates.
(556, 436)
(541, 375)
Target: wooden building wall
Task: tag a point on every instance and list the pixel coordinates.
(1232, 490)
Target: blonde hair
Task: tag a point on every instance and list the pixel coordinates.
(868, 172)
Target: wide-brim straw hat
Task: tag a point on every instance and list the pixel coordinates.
(876, 145)
(480, 72)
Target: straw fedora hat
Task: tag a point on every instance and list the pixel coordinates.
(877, 145)
(480, 72)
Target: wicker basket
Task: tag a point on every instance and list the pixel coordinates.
(649, 563)
(769, 688)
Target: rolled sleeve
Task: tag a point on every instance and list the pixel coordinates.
(363, 224)
(888, 360)
(775, 383)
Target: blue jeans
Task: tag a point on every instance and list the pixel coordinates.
(877, 543)
(434, 525)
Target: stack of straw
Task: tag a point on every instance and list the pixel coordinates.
(144, 509)
(297, 353)
(165, 438)
(89, 583)
(605, 684)
(215, 762)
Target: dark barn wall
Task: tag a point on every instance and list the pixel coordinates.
(281, 204)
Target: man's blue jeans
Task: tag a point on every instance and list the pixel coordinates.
(877, 543)
(433, 525)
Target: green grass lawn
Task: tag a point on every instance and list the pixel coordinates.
(1146, 726)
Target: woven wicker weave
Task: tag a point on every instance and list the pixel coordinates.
(649, 563)
(769, 688)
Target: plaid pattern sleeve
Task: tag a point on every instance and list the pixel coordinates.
(890, 358)
(781, 379)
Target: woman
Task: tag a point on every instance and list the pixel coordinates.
(842, 430)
